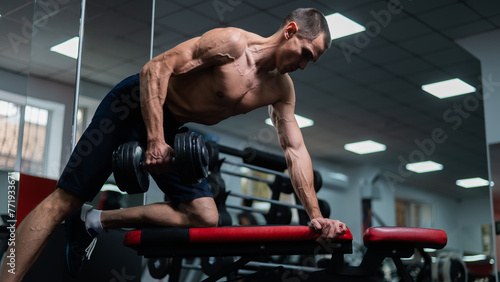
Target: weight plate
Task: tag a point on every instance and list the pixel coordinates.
(142, 175)
(205, 157)
(318, 181)
(159, 267)
(118, 168)
(181, 158)
(191, 157)
(128, 168)
(211, 265)
(324, 207)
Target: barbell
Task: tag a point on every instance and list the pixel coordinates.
(190, 159)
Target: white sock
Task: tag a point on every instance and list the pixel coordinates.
(93, 220)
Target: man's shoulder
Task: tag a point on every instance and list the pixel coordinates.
(231, 35)
(233, 40)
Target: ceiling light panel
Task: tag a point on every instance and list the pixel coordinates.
(448, 88)
(365, 147)
(341, 26)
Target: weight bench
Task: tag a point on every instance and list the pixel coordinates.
(251, 242)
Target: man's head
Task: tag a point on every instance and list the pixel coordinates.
(305, 36)
(311, 22)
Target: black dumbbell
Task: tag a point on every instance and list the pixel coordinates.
(159, 267)
(191, 161)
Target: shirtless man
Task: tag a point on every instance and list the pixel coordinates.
(205, 80)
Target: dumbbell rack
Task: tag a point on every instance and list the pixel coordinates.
(280, 212)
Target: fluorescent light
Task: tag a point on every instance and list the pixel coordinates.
(474, 258)
(448, 88)
(341, 26)
(365, 147)
(302, 121)
(472, 182)
(422, 167)
(67, 48)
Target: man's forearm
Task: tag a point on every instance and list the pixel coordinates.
(302, 177)
(309, 200)
(153, 95)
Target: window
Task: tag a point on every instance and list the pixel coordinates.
(34, 137)
(414, 214)
(9, 133)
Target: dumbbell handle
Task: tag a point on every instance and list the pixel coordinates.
(142, 164)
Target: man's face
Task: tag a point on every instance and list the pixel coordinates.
(297, 52)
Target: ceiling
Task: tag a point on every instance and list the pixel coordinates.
(367, 86)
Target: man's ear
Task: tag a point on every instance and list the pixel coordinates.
(291, 29)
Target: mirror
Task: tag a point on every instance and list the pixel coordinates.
(51, 89)
(16, 23)
(116, 45)
(495, 191)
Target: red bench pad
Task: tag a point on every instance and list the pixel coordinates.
(422, 237)
(231, 234)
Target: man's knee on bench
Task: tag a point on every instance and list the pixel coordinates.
(200, 212)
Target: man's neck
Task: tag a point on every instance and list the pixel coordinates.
(264, 53)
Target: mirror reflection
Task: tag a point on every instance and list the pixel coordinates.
(116, 45)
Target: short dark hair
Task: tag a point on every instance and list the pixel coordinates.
(311, 24)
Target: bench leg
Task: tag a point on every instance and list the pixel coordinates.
(371, 261)
(175, 275)
(228, 269)
(402, 270)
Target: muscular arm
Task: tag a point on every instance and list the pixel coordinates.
(296, 154)
(215, 47)
(299, 161)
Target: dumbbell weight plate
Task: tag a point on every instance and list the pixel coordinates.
(159, 267)
(324, 207)
(203, 158)
(318, 181)
(211, 265)
(279, 215)
(128, 167)
(181, 157)
(191, 157)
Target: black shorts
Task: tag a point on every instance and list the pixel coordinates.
(118, 120)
